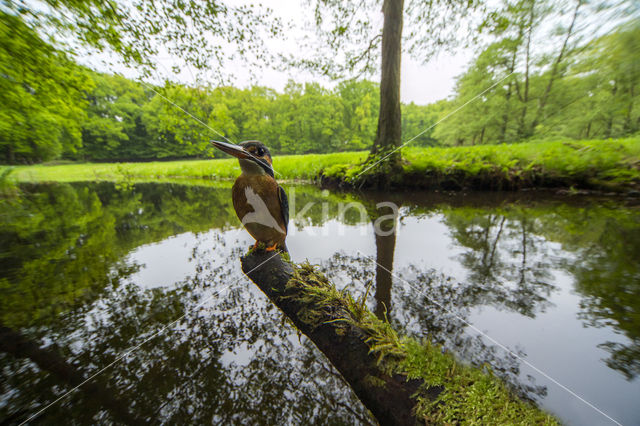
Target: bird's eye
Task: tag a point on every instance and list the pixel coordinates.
(260, 152)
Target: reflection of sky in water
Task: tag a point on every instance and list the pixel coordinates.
(172, 260)
(554, 341)
(424, 241)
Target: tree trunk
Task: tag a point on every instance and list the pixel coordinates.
(554, 71)
(609, 127)
(522, 127)
(505, 114)
(628, 126)
(389, 134)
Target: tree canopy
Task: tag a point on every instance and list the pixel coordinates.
(520, 86)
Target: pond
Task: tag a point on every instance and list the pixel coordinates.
(140, 286)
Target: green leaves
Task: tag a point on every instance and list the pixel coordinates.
(542, 84)
(136, 31)
(42, 96)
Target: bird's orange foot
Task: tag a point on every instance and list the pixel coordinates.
(272, 248)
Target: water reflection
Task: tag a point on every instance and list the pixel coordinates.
(91, 270)
(229, 358)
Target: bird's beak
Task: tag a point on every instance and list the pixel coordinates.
(235, 150)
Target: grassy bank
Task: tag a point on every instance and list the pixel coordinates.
(288, 167)
(598, 164)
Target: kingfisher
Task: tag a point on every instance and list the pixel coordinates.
(260, 203)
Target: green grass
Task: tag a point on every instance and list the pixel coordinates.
(288, 167)
(603, 164)
(470, 395)
(605, 159)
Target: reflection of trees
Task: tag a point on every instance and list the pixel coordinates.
(385, 236)
(604, 242)
(49, 361)
(62, 244)
(63, 277)
(606, 269)
(230, 361)
(64, 288)
(507, 268)
(509, 257)
(438, 315)
(385, 246)
(506, 259)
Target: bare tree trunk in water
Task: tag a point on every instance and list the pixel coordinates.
(385, 248)
(389, 134)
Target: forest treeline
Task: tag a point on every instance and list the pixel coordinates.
(52, 108)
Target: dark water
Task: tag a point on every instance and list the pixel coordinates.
(90, 273)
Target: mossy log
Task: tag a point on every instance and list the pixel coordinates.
(400, 379)
(388, 396)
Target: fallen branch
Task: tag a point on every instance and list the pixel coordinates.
(400, 380)
(388, 397)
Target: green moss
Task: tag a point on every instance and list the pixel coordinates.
(470, 395)
(374, 381)
(321, 300)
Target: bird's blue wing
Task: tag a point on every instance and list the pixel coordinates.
(284, 206)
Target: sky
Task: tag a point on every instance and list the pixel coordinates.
(420, 83)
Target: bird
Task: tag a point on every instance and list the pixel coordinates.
(260, 203)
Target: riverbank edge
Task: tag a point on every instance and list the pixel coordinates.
(599, 166)
(397, 377)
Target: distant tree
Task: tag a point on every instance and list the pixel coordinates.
(310, 118)
(601, 95)
(114, 128)
(477, 121)
(254, 112)
(531, 79)
(360, 103)
(173, 134)
(42, 87)
(419, 120)
(41, 96)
